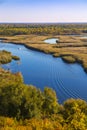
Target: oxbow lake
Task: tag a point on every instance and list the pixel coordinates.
(40, 70)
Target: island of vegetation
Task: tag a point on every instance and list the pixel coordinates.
(6, 57)
(25, 107)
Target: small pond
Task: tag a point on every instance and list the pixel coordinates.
(51, 41)
(84, 37)
(39, 69)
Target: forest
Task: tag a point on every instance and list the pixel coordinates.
(24, 107)
(42, 29)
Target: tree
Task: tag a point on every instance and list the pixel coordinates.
(50, 104)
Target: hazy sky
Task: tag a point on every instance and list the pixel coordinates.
(43, 10)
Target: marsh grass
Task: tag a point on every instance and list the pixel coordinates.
(69, 59)
(6, 57)
(73, 46)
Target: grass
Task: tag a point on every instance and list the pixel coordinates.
(70, 48)
(6, 57)
(69, 59)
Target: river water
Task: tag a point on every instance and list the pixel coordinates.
(40, 70)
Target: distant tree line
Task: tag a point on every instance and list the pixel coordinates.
(42, 29)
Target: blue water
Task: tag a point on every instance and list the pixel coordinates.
(51, 41)
(39, 69)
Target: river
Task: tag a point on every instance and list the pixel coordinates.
(40, 70)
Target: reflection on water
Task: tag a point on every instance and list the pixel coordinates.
(39, 69)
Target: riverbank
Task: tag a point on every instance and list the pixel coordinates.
(68, 46)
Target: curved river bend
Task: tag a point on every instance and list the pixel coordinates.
(39, 69)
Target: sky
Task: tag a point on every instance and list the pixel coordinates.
(43, 11)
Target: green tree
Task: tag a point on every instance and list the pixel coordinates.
(50, 104)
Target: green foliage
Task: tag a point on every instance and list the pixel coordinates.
(50, 104)
(22, 101)
(6, 57)
(75, 114)
(43, 29)
(31, 103)
(26, 107)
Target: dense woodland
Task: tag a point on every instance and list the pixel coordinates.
(42, 29)
(24, 107)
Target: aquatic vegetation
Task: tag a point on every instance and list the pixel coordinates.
(6, 57)
(15, 58)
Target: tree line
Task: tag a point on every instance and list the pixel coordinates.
(42, 29)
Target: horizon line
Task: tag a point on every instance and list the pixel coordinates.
(38, 22)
